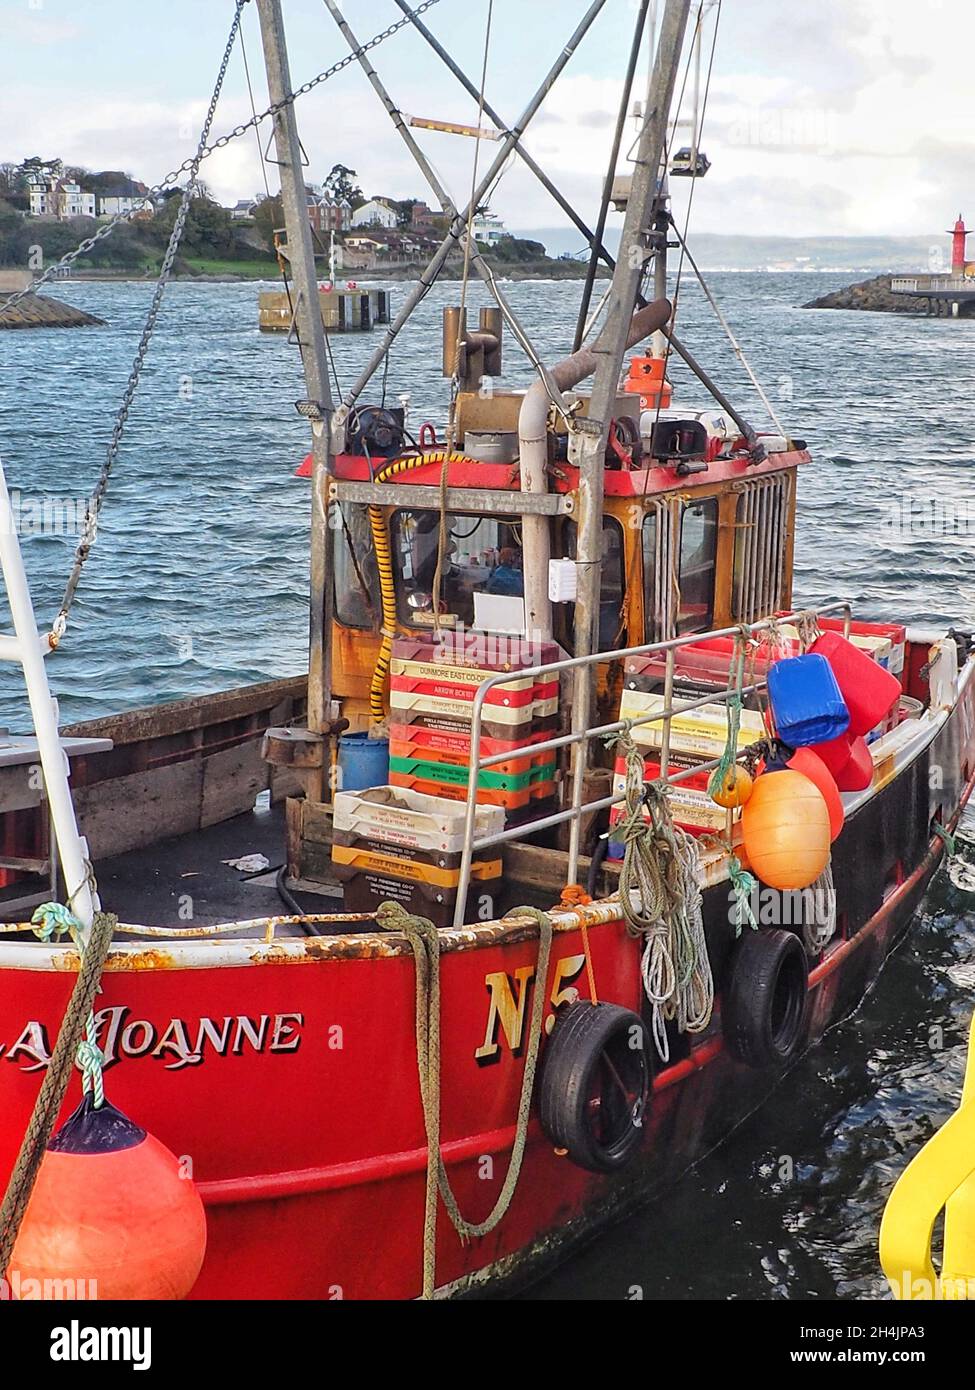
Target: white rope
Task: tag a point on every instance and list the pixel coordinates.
(819, 920)
(688, 1000)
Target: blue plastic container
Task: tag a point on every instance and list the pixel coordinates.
(806, 701)
(363, 762)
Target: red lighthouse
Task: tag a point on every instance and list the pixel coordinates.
(958, 234)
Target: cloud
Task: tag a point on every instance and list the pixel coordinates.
(851, 117)
(39, 28)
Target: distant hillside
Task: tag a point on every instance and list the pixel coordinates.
(713, 252)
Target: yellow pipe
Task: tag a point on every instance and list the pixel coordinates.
(384, 563)
(942, 1175)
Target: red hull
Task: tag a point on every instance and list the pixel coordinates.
(297, 1100)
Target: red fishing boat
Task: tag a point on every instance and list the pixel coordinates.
(521, 978)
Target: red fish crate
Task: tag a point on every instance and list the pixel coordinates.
(691, 807)
(488, 651)
(514, 800)
(444, 685)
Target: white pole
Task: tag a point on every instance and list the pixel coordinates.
(71, 846)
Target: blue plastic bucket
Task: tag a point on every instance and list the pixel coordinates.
(363, 762)
(806, 701)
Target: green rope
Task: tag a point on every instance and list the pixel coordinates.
(55, 1084)
(424, 940)
(721, 775)
(946, 837)
(52, 921)
(743, 885)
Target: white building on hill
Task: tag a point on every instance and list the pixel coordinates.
(378, 212)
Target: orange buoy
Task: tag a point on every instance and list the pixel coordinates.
(735, 788)
(785, 830)
(811, 765)
(112, 1208)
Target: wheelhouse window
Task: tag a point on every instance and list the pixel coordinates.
(612, 616)
(358, 602)
(698, 555)
(483, 554)
(654, 620)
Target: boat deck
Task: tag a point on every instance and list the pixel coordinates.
(151, 885)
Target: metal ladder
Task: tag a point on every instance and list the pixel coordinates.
(27, 648)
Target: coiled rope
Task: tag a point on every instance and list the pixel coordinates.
(424, 940)
(661, 866)
(75, 1043)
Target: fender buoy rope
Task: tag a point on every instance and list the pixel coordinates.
(574, 895)
(424, 940)
(743, 886)
(52, 919)
(661, 866)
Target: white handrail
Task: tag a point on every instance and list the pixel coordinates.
(574, 812)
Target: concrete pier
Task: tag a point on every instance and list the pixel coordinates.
(343, 311)
(947, 295)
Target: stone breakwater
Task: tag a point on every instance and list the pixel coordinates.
(872, 294)
(40, 311)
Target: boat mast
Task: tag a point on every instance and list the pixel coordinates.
(319, 405)
(589, 441)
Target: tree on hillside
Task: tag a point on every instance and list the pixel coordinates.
(11, 180)
(15, 237)
(107, 180)
(340, 185)
(209, 230)
(268, 214)
(34, 164)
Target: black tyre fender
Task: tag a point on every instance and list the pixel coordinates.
(763, 1007)
(595, 1083)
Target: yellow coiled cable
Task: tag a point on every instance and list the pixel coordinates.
(384, 562)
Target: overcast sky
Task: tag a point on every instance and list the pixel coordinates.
(843, 117)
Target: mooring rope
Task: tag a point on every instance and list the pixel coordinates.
(77, 1018)
(424, 940)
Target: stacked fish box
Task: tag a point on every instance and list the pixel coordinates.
(433, 684)
(696, 736)
(394, 845)
(700, 668)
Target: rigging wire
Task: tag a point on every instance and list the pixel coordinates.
(699, 130)
(95, 501)
(444, 537)
(668, 146)
(250, 93)
(738, 350)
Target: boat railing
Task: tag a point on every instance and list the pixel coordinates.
(574, 813)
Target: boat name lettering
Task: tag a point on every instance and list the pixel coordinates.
(177, 1043)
